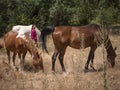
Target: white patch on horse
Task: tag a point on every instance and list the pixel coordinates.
(21, 30)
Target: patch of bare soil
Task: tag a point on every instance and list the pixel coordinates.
(74, 79)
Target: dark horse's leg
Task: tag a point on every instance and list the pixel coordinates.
(90, 57)
(54, 56)
(92, 61)
(61, 57)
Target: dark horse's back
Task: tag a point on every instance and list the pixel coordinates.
(75, 36)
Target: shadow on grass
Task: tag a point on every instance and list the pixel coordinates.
(95, 70)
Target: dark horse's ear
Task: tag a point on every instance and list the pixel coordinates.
(115, 48)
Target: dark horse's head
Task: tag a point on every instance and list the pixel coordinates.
(111, 58)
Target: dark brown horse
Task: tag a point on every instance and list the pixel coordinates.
(78, 37)
(20, 46)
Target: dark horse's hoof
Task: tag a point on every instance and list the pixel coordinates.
(86, 70)
(89, 70)
(94, 70)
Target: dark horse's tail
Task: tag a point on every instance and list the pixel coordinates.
(46, 31)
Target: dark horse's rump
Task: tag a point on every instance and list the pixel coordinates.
(79, 37)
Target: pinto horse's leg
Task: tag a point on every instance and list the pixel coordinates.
(54, 56)
(21, 62)
(90, 57)
(61, 57)
(23, 58)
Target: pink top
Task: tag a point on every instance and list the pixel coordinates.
(33, 35)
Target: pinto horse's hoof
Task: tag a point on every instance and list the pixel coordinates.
(64, 70)
(94, 70)
(53, 71)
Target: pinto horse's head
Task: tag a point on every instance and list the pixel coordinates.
(38, 61)
(111, 58)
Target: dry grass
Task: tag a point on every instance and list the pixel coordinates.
(73, 79)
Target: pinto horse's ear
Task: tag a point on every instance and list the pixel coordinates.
(39, 53)
(115, 48)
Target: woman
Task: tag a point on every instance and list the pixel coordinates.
(33, 34)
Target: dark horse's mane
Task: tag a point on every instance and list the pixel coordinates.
(46, 31)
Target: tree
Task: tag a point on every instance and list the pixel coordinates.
(57, 12)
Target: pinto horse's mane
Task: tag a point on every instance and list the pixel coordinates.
(30, 44)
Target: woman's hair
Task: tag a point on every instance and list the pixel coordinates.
(33, 26)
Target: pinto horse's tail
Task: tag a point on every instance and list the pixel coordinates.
(46, 31)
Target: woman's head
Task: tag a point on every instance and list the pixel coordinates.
(33, 26)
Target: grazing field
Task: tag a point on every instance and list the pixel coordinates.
(74, 79)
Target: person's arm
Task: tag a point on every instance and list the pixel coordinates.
(31, 34)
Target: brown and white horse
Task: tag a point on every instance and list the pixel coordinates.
(20, 46)
(78, 37)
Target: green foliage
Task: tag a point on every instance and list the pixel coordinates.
(57, 12)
